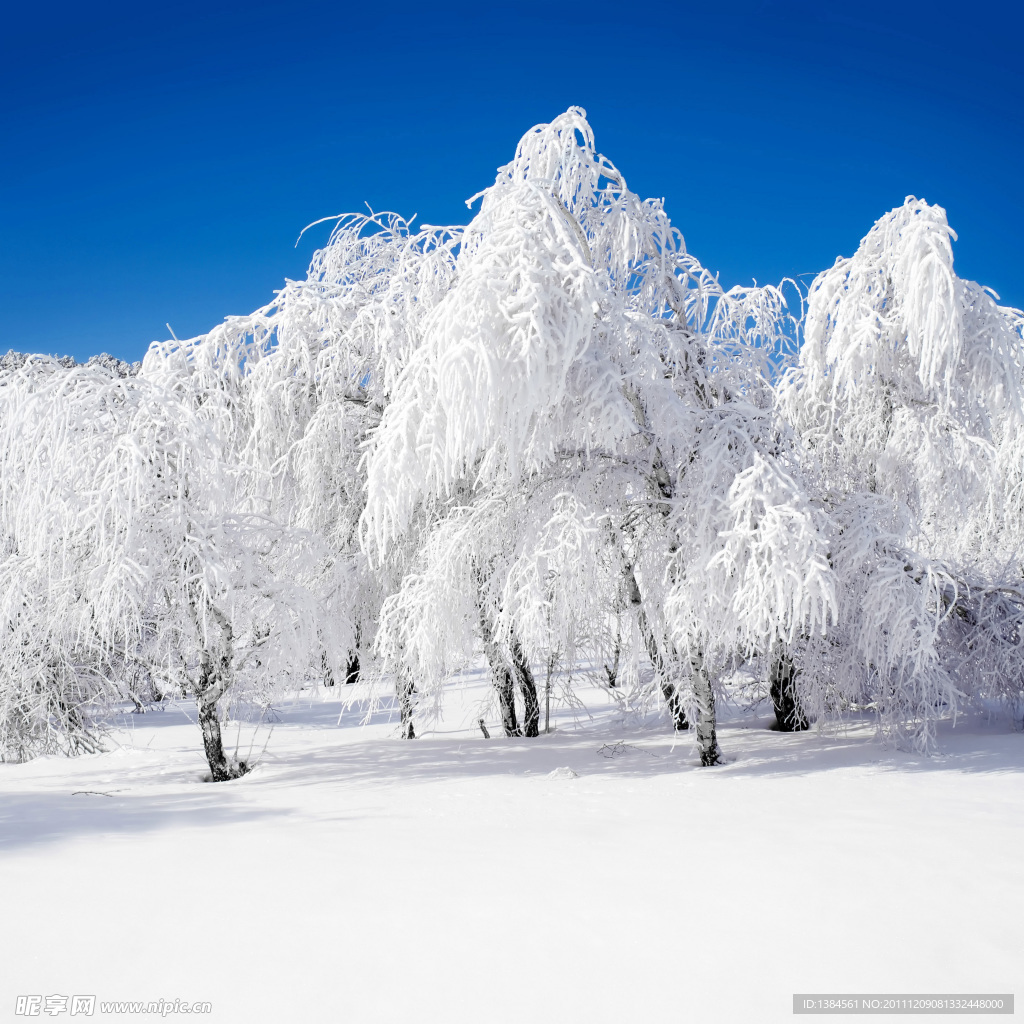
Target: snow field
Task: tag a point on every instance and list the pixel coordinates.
(353, 876)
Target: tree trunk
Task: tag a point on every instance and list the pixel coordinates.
(788, 712)
(552, 661)
(506, 698)
(406, 689)
(612, 673)
(669, 689)
(509, 668)
(661, 488)
(501, 670)
(674, 703)
(707, 739)
(531, 706)
(352, 668)
(325, 670)
(213, 682)
(213, 744)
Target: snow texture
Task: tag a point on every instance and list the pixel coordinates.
(357, 876)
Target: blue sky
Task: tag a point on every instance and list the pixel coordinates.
(159, 162)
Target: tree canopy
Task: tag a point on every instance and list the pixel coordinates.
(547, 437)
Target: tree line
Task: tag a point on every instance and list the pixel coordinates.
(550, 437)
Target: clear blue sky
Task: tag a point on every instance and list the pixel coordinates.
(159, 161)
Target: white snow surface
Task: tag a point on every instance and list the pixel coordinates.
(593, 874)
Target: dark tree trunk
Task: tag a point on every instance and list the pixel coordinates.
(552, 661)
(612, 672)
(674, 703)
(215, 676)
(213, 745)
(213, 681)
(531, 706)
(669, 690)
(406, 690)
(788, 712)
(325, 670)
(505, 686)
(509, 669)
(502, 671)
(352, 669)
(707, 738)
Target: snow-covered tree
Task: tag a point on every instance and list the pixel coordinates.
(907, 399)
(303, 382)
(581, 354)
(128, 557)
(550, 436)
(93, 461)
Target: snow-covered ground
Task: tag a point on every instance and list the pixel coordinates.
(594, 874)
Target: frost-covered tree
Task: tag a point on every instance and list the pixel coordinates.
(52, 672)
(907, 399)
(303, 382)
(12, 360)
(128, 558)
(582, 355)
(93, 461)
(550, 436)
